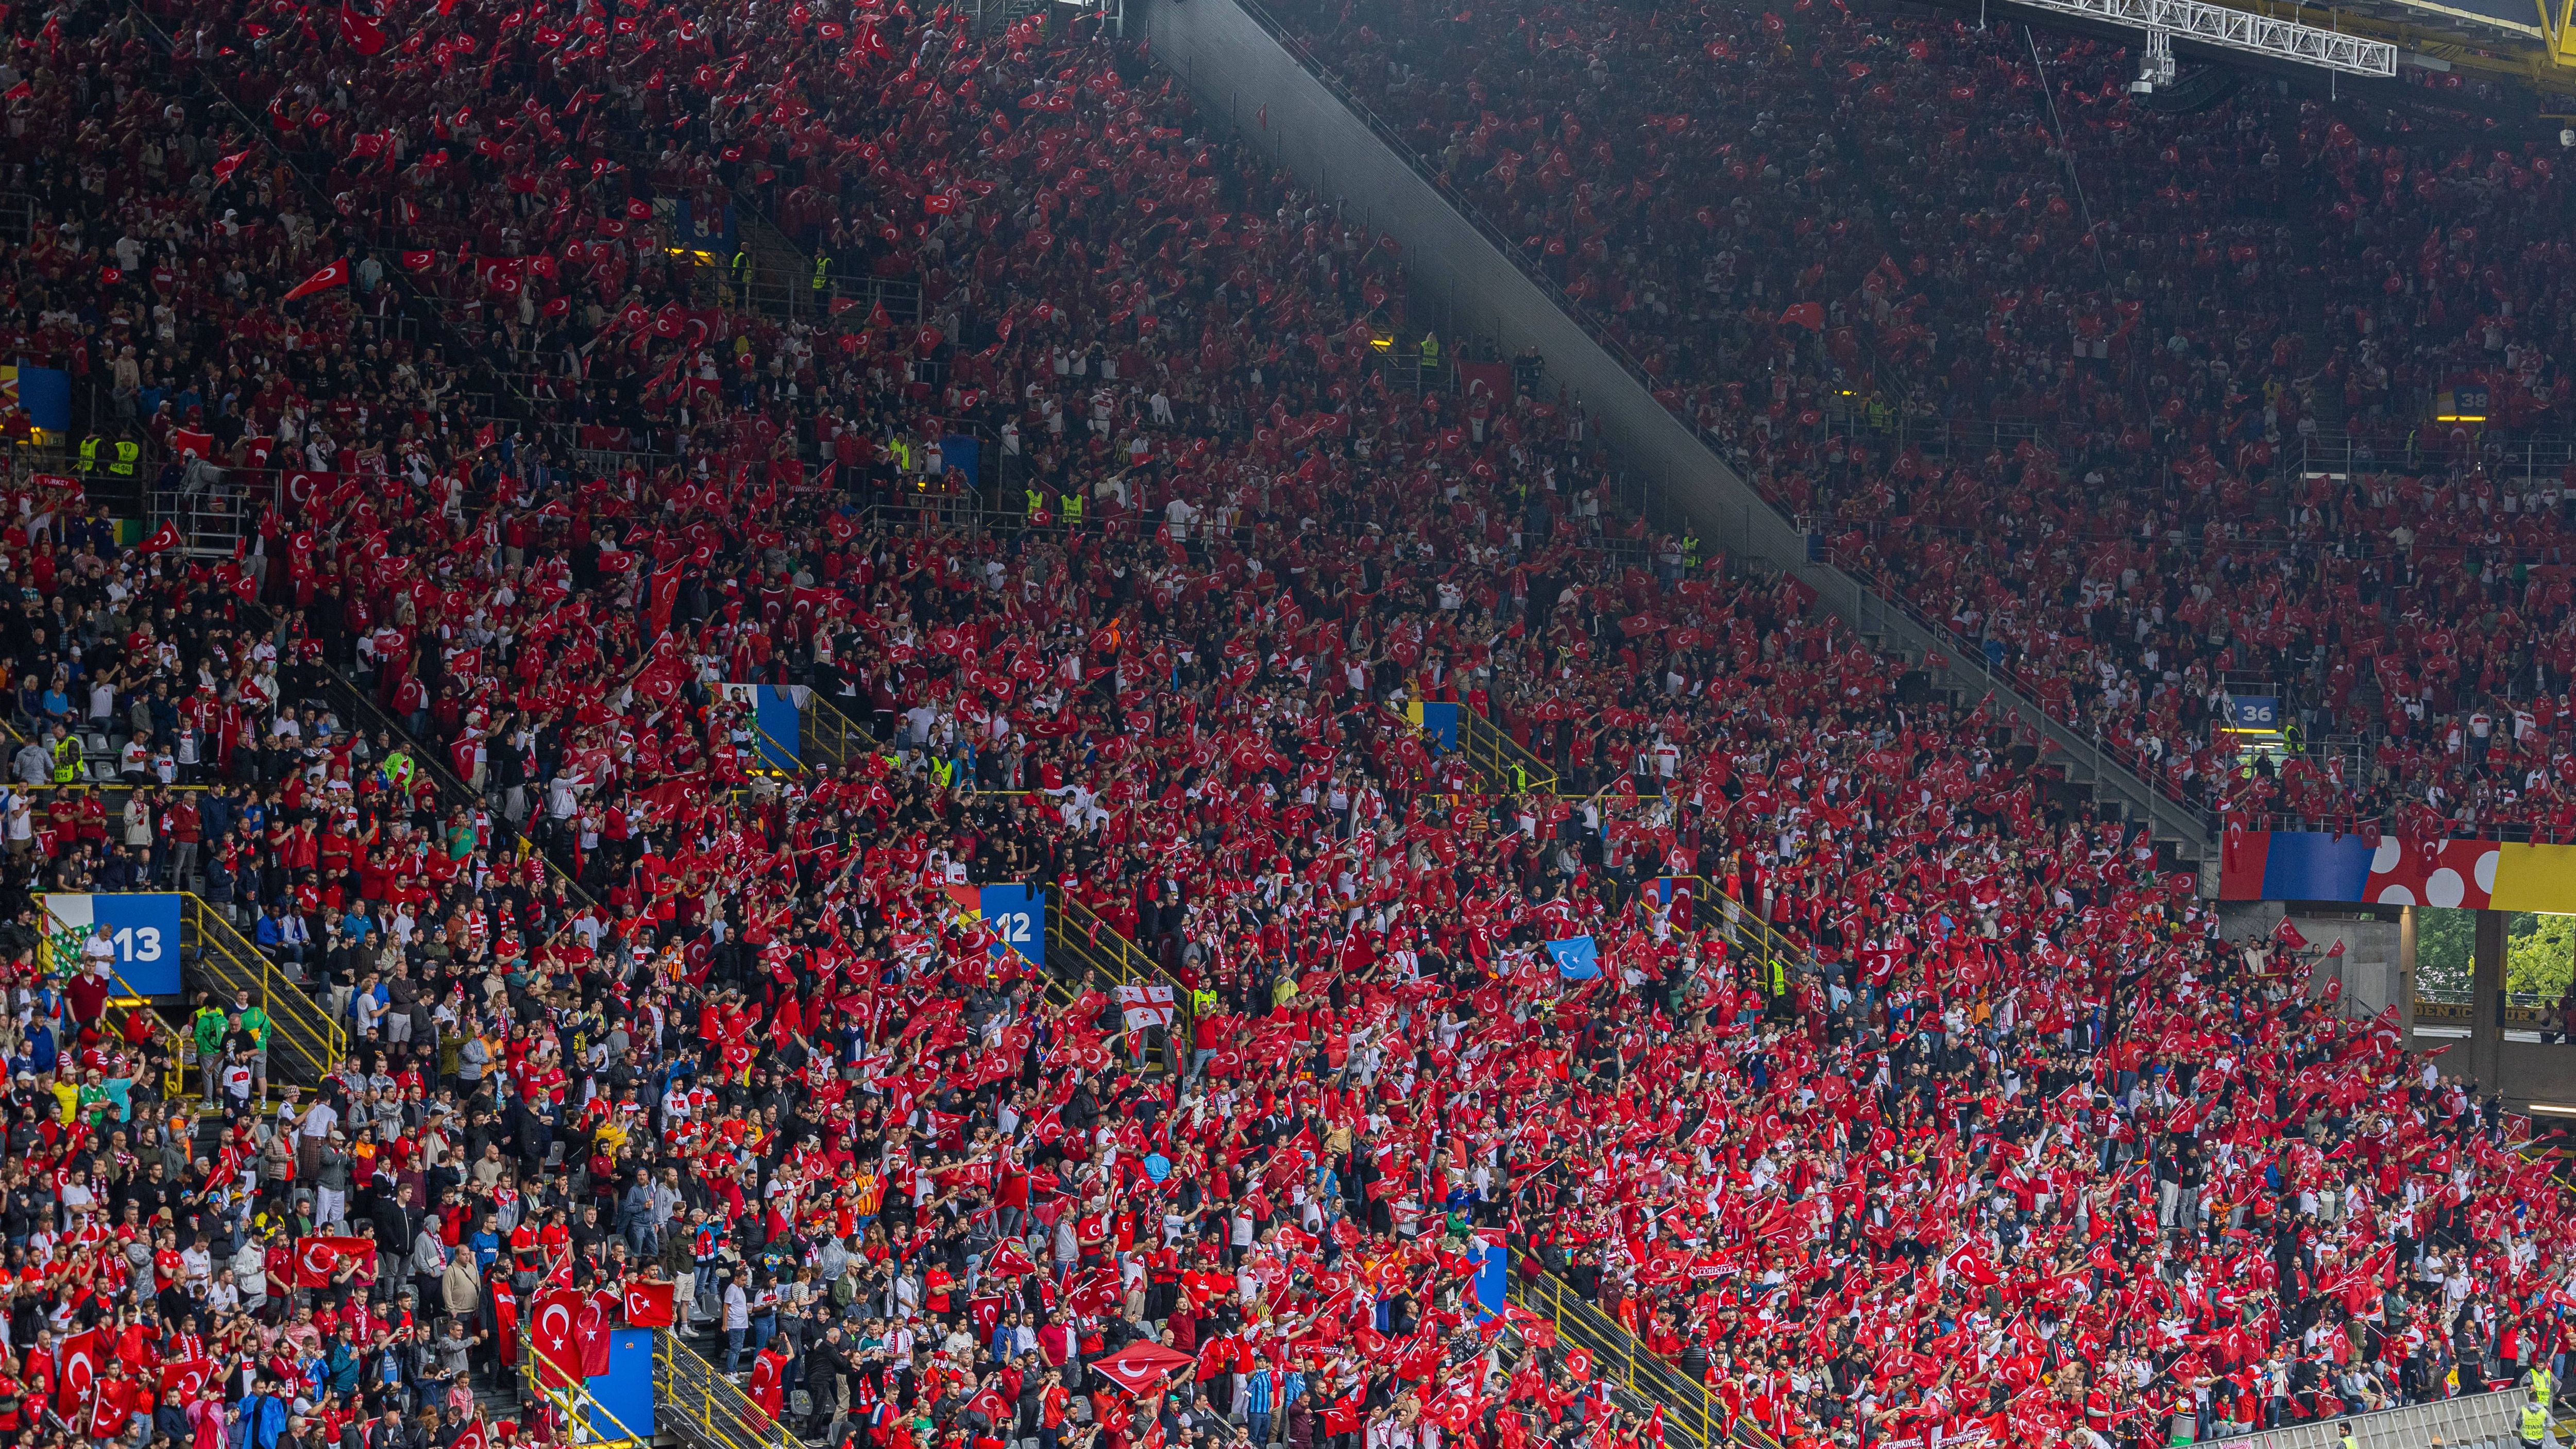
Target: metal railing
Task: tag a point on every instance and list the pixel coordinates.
(577, 1409)
(358, 711)
(1692, 1416)
(827, 739)
(1081, 937)
(1746, 934)
(305, 1043)
(2474, 1419)
(706, 1410)
(1508, 764)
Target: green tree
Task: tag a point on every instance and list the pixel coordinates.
(2540, 953)
(2445, 944)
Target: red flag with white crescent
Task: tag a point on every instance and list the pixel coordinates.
(649, 1304)
(554, 1329)
(76, 1372)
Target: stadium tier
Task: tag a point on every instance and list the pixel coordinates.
(825, 726)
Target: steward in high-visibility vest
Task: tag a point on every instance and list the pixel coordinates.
(89, 453)
(1073, 510)
(127, 450)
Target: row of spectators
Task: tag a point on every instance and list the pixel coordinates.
(2093, 339)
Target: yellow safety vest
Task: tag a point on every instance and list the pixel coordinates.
(1430, 350)
(1690, 550)
(822, 272)
(2535, 1423)
(1779, 977)
(1033, 502)
(1073, 509)
(67, 752)
(89, 454)
(945, 771)
(741, 267)
(126, 453)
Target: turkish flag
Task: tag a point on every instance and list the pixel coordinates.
(650, 1304)
(225, 166)
(334, 275)
(109, 1412)
(76, 1371)
(160, 540)
(1138, 1367)
(598, 1311)
(362, 32)
(554, 1331)
(474, 1437)
(318, 1260)
(1810, 315)
(505, 1321)
(1966, 1263)
(1578, 1363)
(182, 1382)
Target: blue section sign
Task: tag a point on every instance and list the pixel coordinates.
(1437, 719)
(782, 727)
(1016, 915)
(1493, 1281)
(621, 1400)
(2254, 713)
(145, 931)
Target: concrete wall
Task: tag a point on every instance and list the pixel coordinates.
(2374, 965)
(1240, 75)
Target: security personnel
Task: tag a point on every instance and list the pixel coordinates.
(1430, 352)
(822, 270)
(1033, 505)
(2544, 1384)
(89, 454)
(127, 451)
(1690, 550)
(1073, 509)
(67, 757)
(2534, 1427)
(1779, 978)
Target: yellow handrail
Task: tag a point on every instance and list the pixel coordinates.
(828, 735)
(1691, 1413)
(708, 1408)
(1077, 931)
(572, 1398)
(1503, 763)
(295, 1019)
(1746, 933)
(1513, 768)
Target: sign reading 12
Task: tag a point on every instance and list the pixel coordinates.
(1017, 915)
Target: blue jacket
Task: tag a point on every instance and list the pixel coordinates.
(263, 1420)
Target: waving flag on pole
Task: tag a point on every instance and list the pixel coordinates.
(334, 275)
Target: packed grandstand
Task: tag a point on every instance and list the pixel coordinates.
(1096, 476)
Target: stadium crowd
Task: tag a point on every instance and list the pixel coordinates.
(2050, 360)
(2023, 1151)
